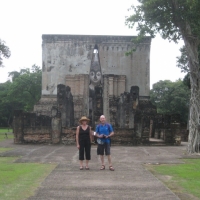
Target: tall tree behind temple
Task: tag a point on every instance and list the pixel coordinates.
(171, 98)
(183, 64)
(174, 20)
(4, 104)
(22, 93)
(4, 52)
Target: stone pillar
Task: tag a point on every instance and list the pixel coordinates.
(111, 86)
(69, 107)
(121, 84)
(70, 81)
(81, 85)
(18, 127)
(65, 105)
(122, 111)
(61, 97)
(145, 128)
(56, 130)
(106, 98)
(131, 118)
(115, 88)
(84, 84)
(78, 87)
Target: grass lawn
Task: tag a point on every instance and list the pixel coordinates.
(9, 134)
(182, 179)
(19, 181)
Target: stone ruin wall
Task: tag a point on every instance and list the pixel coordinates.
(168, 127)
(79, 89)
(30, 127)
(49, 131)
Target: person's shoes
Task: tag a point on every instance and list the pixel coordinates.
(87, 168)
(81, 167)
(111, 168)
(102, 167)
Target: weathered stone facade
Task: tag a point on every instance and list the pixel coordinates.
(91, 75)
(72, 54)
(69, 59)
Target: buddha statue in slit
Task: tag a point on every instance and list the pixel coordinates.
(95, 87)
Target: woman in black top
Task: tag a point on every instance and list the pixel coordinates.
(83, 141)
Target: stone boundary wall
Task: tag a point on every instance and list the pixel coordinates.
(121, 137)
(169, 135)
(37, 135)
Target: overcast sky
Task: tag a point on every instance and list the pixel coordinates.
(24, 21)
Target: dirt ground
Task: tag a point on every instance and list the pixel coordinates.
(130, 180)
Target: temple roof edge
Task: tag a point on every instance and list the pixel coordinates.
(92, 38)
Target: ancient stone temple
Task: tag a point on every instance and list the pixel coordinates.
(90, 65)
(91, 75)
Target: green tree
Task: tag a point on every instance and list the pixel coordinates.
(26, 87)
(22, 93)
(174, 20)
(4, 105)
(182, 61)
(171, 98)
(14, 75)
(4, 52)
(183, 64)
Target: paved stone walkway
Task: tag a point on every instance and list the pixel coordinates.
(130, 180)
